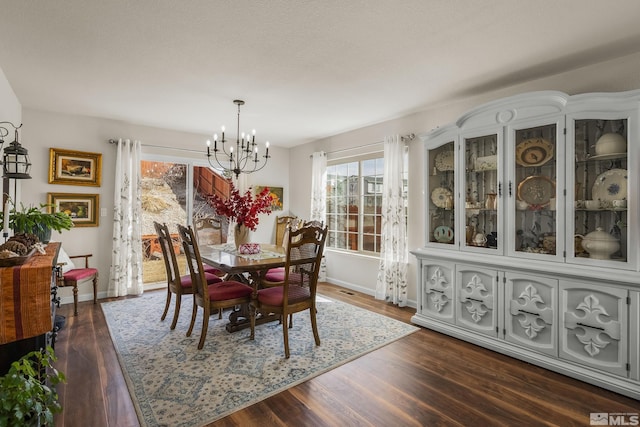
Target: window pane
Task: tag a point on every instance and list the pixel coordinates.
(354, 204)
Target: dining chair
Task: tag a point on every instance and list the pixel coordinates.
(275, 276)
(70, 275)
(211, 297)
(176, 284)
(304, 248)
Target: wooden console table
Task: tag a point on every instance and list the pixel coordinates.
(26, 297)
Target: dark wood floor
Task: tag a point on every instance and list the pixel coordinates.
(425, 379)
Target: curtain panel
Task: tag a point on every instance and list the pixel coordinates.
(126, 255)
(391, 284)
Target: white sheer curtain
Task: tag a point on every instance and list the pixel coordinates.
(392, 274)
(318, 186)
(126, 256)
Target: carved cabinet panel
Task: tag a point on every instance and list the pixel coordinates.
(594, 326)
(438, 290)
(477, 299)
(531, 312)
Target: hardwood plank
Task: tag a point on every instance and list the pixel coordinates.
(426, 378)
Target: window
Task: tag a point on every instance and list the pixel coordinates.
(354, 204)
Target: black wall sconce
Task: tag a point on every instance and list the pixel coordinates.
(15, 158)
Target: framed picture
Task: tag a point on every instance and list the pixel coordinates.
(277, 194)
(74, 167)
(82, 208)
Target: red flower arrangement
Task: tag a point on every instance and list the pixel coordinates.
(244, 209)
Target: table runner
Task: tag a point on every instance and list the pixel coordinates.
(25, 297)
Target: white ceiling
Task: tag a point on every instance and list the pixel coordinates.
(306, 69)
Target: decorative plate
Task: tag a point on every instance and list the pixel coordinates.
(534, 152)
(444, 160)
(443, 234)
(536, 190)
(441, 197)
(610, 185)
(608, 156)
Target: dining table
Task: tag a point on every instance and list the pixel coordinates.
(245, 268)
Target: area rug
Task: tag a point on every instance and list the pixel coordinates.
(172, 383)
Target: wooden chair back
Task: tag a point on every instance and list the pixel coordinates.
(281, 227)
(194, 262)
(304, 249)
(169, 256)
(209, 231)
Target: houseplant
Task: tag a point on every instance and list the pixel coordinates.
(28, 390)
(243, 209)
(36, 220)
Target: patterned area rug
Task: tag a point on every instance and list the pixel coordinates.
(172, 383)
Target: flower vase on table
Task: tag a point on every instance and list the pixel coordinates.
(240, 235)
(243, 209)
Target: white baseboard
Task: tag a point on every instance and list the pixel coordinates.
(362, 289)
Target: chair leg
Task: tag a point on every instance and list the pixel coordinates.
(252, 319)
(176, 312)
(205, 327)
(314, 325)
(194, 312)
(166, 306)
(95, 289)
(285, 334)
(75, 298)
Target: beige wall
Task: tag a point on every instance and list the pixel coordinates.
(10, 108)
(359, 272)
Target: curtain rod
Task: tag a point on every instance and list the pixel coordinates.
(406, 138)
(115, 141)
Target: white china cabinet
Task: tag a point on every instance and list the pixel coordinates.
(532, 231)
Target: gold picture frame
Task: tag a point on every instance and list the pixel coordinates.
(74, 167)
(82, 208)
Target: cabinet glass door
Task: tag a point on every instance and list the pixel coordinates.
(537, 210)
(481, 185)
(441, 203)
(600, 196)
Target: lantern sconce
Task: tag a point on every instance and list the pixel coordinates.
(15, 158)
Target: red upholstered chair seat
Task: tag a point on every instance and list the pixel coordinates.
(275, 275)
(79, 274)
(211, 269)
(275, 295)
(228, 290)
(187, 284)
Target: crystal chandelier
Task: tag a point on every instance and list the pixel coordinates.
(236, 159)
